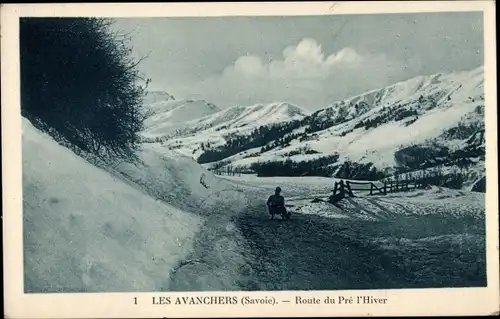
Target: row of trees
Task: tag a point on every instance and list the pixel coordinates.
(302, 150)
(360, 171)
(387, 116)
(453, 179)
(321, 166)
(275, 134)
(80, 84)
(228, 170)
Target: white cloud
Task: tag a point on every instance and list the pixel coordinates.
(305, 60)
(303, 75)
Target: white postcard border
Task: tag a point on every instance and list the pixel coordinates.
(452, 301)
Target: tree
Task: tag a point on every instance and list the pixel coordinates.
(80, 84)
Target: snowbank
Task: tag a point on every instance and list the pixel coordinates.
(181, 182)
(322, 209)
(218, 253)
(85, 230)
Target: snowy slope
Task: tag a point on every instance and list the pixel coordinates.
(85, 230)
(168, 116)
(153, 97)
(180, 181)
(187, 137)
(226, 121)
(254, 115)
(378, 144)
(437, 87)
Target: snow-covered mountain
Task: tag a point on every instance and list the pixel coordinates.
(168, 117)
(165, 117)
(194, 130)
(372, 126)
(254, 115)
(441, 111)
(153, 97)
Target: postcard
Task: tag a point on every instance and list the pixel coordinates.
(249, 159)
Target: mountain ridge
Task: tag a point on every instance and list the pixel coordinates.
(440, 109)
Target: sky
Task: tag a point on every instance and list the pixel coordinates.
(308, 61)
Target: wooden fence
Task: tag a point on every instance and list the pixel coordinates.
(344, 189)
(226, 171)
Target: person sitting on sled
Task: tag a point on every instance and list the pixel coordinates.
(276, 203)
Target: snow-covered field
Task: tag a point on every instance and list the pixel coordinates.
(292, 186)
(300, 191)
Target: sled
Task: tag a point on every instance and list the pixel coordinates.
(280, 211)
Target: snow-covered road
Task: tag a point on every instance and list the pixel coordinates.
(311, 252)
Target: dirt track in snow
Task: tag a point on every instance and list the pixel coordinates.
(245, 250)
(314, 253)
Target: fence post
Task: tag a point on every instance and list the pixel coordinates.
(385, 187)
(371, 188)
(349, 189)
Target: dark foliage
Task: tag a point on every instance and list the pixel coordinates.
(462, 130)
(418, 156)
(80, 84)
(421, 156)
(265, 136)
(302, 150)
(317, 167)
(396, 114)
(454, 180)
(228, 170)
(352, 170)
(480, 186)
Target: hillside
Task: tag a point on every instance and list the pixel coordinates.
(153, 97)
(193, 137)
(444, 112)
(166, 117)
